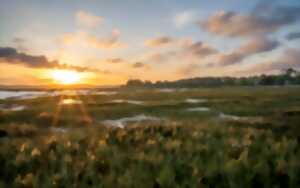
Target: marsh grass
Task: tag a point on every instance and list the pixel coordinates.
(187, 149)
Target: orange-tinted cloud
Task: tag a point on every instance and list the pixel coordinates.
(115, 60)
(182, 51)
(138, 65)
(159, 41)
(251, 47)
(188, 70)
(85, 38)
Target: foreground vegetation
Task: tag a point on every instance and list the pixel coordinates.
(256, 145)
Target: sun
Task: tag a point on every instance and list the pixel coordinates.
(65, 76)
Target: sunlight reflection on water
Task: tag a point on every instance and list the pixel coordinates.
(35, 94)
(21, 94)
(70, 102)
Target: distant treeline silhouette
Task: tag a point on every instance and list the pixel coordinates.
(287, 77)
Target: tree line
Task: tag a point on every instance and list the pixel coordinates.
(287, 77)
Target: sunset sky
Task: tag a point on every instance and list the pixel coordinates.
(110, 41)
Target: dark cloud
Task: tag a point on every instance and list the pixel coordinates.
(199, 49)
(231, 58)
(159, 41)
(264, 19)
(11, 55)
(252, 47)
(258, 45)
(292, 36)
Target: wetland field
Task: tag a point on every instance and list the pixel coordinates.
(205, 137)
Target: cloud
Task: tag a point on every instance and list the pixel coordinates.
(184, 18)
(198, 49)
(182, 50)
(229, 59)
(293, 35)
(138, 65)
(258, 45)
(188, 70)
(159, 41)
(252, 47)
(11, 55)
(115, 60)
(20, 43)
(160, 57)
(85, 38)
(90, 40)
(289, 59)
(87, 19)
(262, 20)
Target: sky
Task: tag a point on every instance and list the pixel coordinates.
(108, 41)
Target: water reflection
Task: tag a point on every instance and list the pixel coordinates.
(198, 109)
(122, 122)
(13, 108)
(21, 94)
(70, 102)
(35, 94)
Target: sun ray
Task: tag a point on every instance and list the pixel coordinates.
(86, 116)
(57, 112)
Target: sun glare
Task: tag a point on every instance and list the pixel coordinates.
(65, 76)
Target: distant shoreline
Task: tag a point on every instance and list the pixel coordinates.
(20, 89)
(53, 88)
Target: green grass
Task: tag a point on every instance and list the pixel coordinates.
(186, 149)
